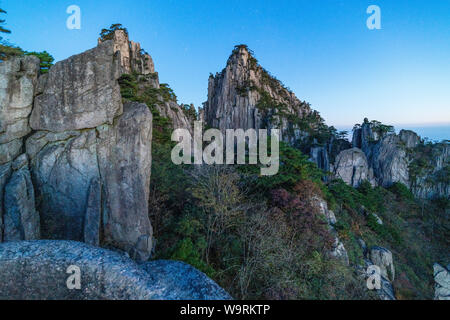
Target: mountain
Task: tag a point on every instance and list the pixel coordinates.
(244, 95)
(85, 156)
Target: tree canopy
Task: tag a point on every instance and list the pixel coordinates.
(108, 34)
(46, 60)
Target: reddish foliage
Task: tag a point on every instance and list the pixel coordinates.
(303, 214)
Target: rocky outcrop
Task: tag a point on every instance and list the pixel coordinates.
(39, 270)
(21, 220)
(389, 161)
(88, 157)
(385, 152)
(409, 138)
(319, 155)
(132, 57)
(430, 170)
(134, 60)
(79, 93)
(245, 96)
(338, 250)
(102, 174)
(382, 258)
(18, 78)
(170, 109)
(405, 158)
(352, 167)
(442, 279)
(378, 264)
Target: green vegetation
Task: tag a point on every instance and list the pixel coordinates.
(265, 237)
(45, 58)
(257, 237)
(137, 88)
(415, 232)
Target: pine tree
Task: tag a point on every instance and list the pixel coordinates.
(45, 58)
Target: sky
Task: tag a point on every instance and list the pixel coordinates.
(322, 49)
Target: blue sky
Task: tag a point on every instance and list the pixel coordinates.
(320, 49)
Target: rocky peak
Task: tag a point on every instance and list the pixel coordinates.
(244, 95)
(142, 79)
(132, 57)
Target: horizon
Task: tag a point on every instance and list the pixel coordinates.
(404, 66)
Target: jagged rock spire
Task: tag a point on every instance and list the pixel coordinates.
(132, 57)
(244, 95)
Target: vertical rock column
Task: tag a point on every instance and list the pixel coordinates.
(19, 219)
(91, 156)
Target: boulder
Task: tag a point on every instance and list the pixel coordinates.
(42, 270)
(382, 258)
(352, 167)
(179, 280)
(442, 279)
(386, 290)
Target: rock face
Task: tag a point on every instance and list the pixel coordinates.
(18, 77)
(134, 60)
(389, 161)
(88, 158)
(80, 92)
(382, 258)
(34, 270)
(245, 96)
(409, 138)
(442, 279)
(433, 181)
(404, 158)
(132, 57)
(319, 155)
(102, 174)
(352, 167)
(170, 109)
(19, 219)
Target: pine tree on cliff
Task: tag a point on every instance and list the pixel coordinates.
(108, 34)
(46, 60)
